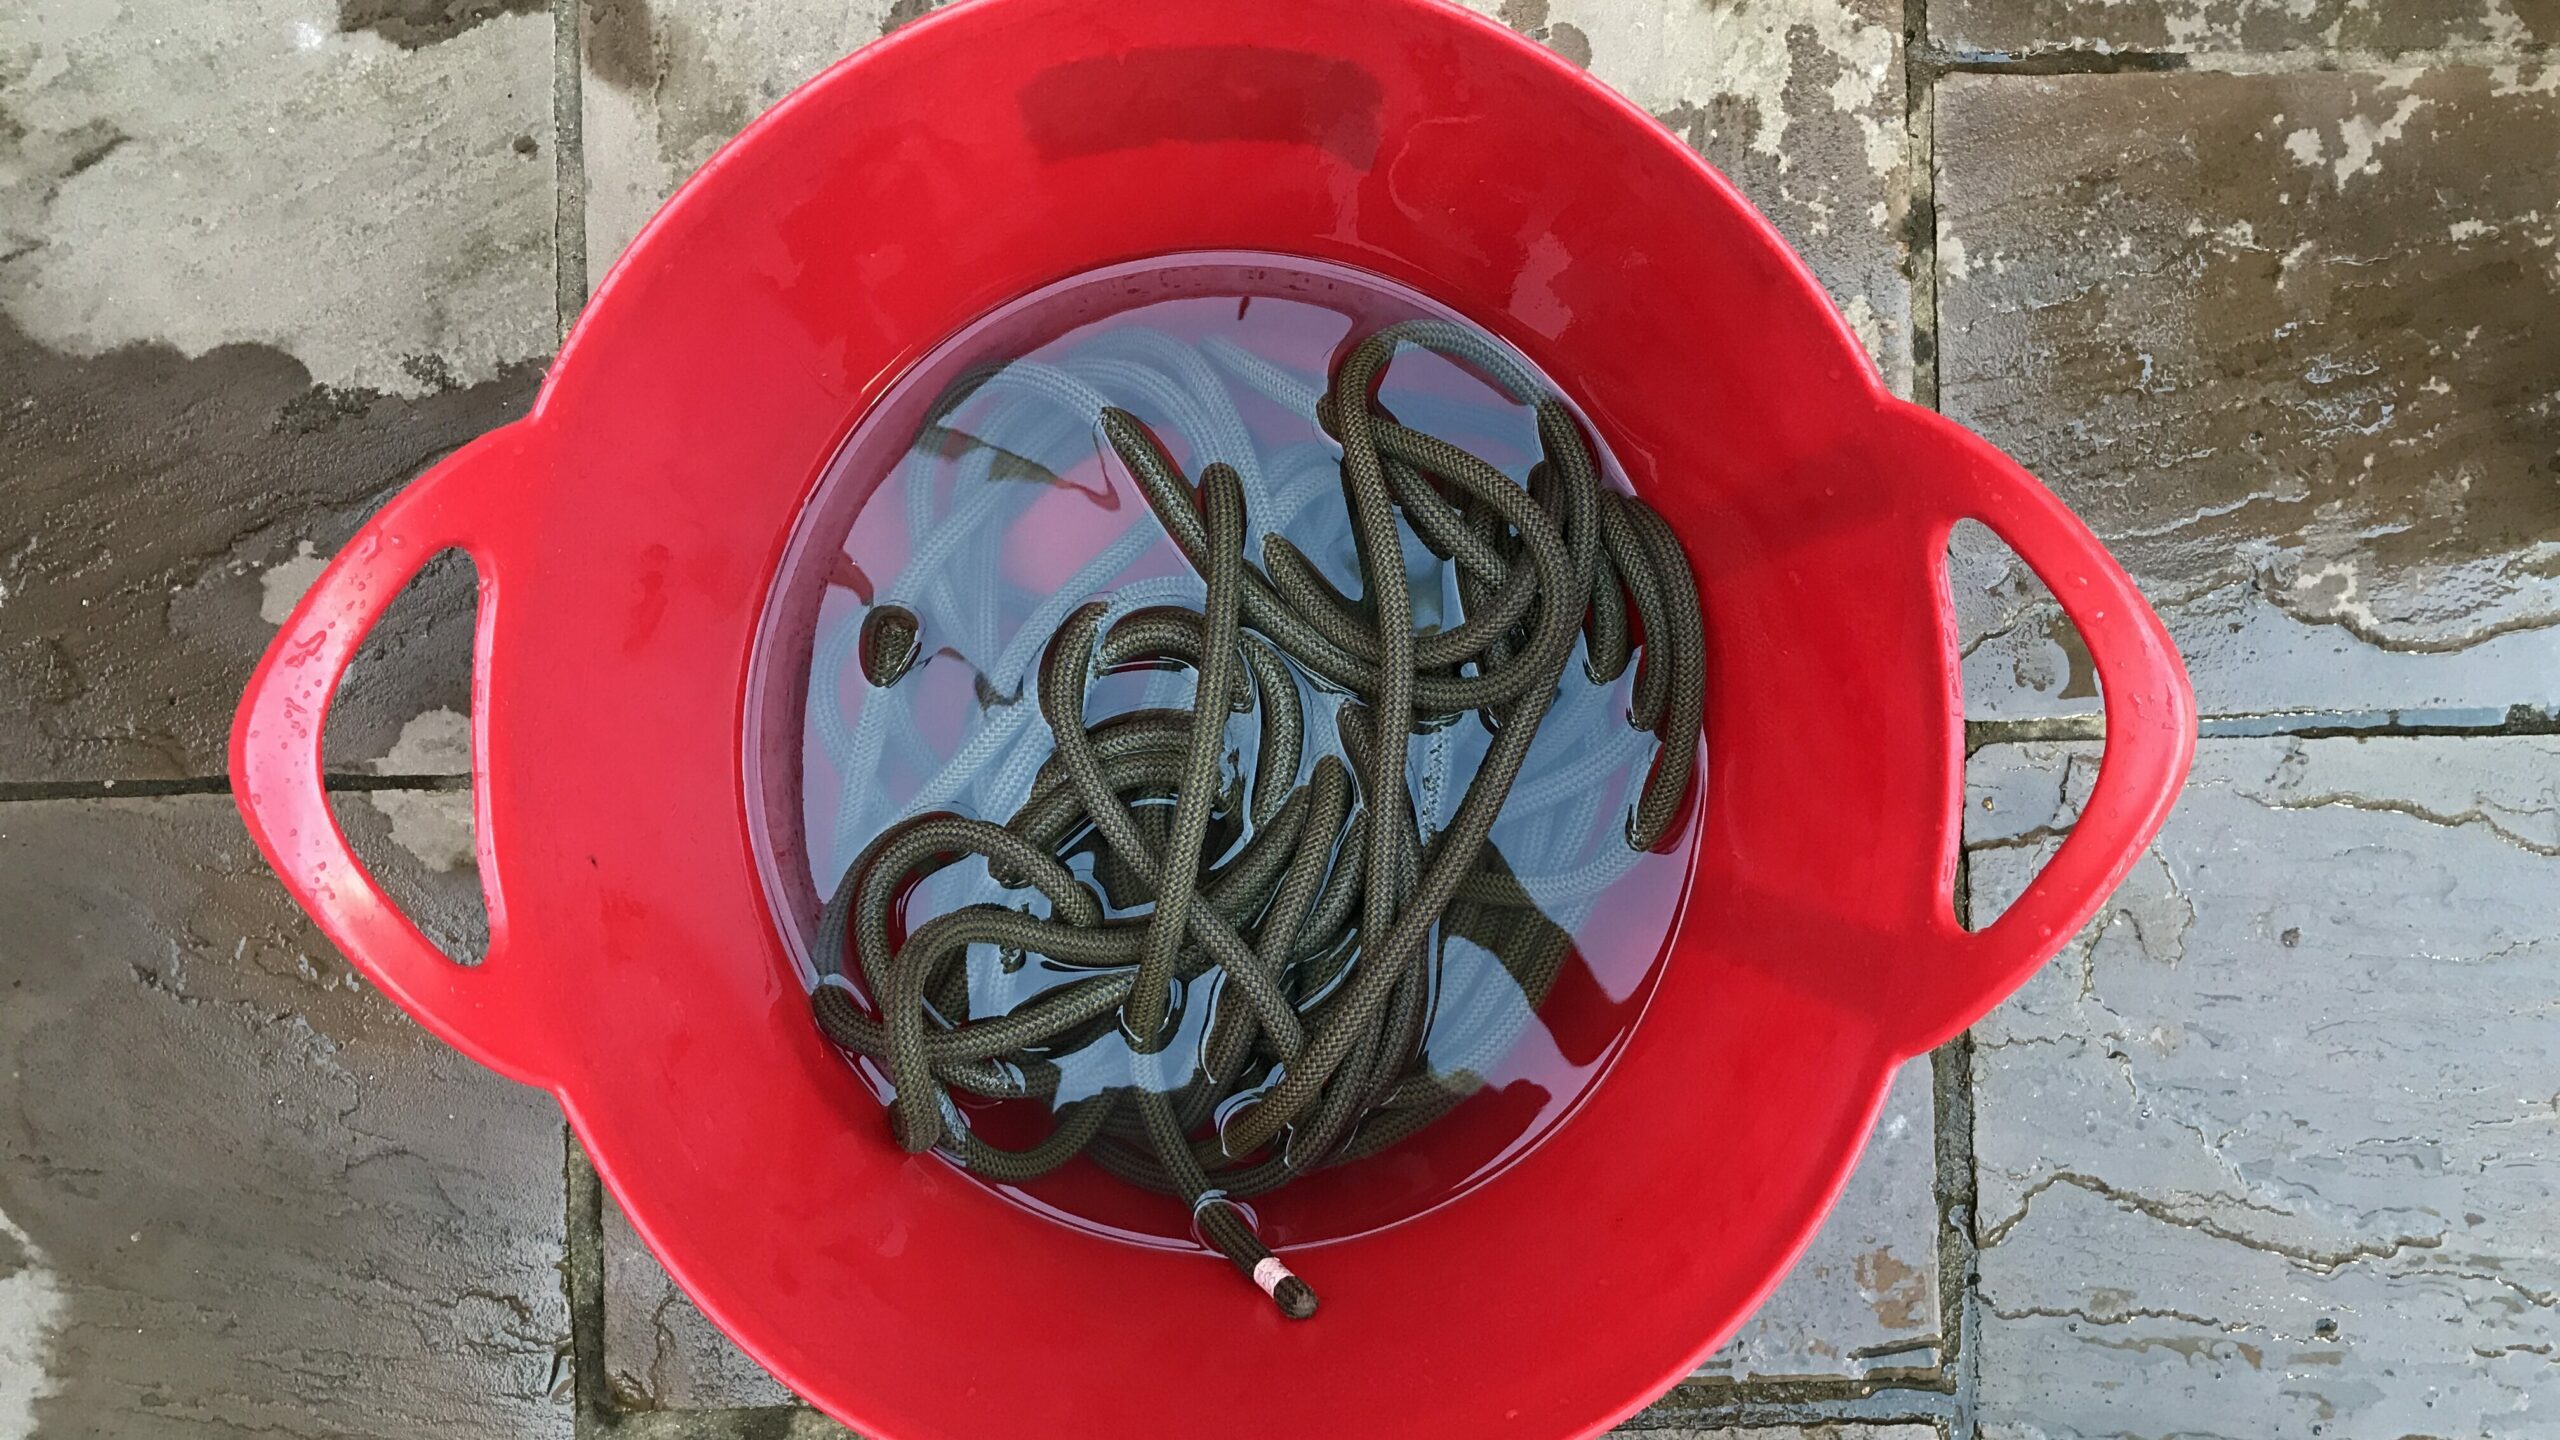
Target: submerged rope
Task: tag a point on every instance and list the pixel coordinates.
(1285, 937)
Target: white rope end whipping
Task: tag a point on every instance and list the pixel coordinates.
(1268, 1272)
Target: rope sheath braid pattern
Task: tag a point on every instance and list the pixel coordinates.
(1257, 952)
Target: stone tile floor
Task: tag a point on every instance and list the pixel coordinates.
(2263, 287)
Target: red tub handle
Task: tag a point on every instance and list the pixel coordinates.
(275, 758)
(2150, 716)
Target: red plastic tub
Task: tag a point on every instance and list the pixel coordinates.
(627, 535)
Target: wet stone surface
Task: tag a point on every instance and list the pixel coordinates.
(255, 272)
(174, 510)
(2265, 1153)
(2271, 1146)
(2278, 339)
(2029, 27)
(242, 1192)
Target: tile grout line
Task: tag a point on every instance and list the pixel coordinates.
(2053, 62)
(2071, 60)
(2237, 725)
(582, 1190)
(1920, 135)
(1950, 1066)
(2310, 725)
(340, 783)
(754, 1422)
(582, 1280)
(1951, 1098)
(1822, 1418)
(569, 162)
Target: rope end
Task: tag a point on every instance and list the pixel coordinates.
(1295, 1297)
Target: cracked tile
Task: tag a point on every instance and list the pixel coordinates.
(2265, 1149)
(255, 272)
(2276, 337)
(2027, 27)
(258, 1197)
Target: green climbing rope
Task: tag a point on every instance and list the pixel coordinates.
(1317, 925)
